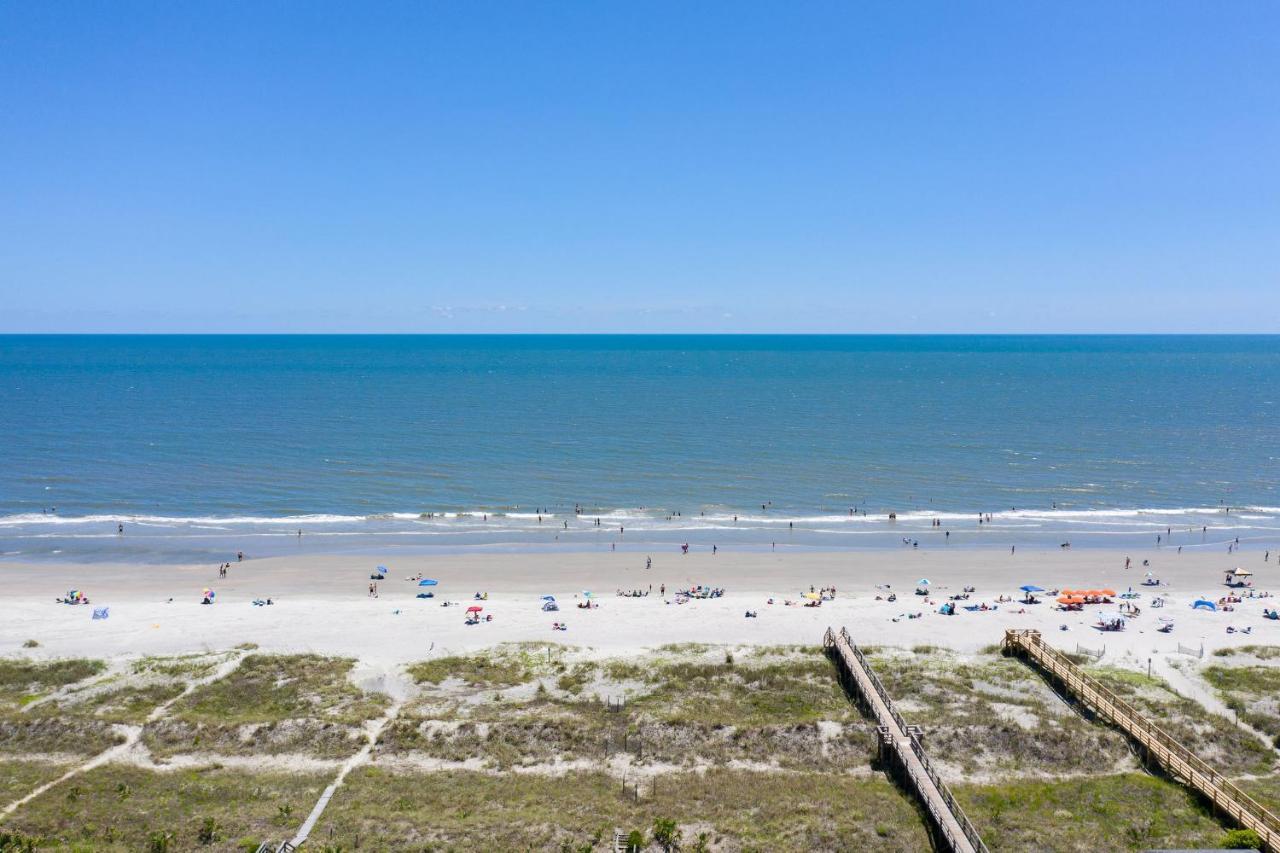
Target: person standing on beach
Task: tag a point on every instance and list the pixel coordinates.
(648, 563)
(120, 529)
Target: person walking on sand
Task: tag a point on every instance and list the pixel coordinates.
(648, 563)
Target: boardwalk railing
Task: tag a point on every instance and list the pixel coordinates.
(1176, 759)
(902, 742)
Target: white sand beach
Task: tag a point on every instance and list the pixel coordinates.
(322, 604)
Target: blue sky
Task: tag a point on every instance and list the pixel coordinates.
(737, 167)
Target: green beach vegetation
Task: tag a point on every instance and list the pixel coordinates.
(553, 747)
(271, 704)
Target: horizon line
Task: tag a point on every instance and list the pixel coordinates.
(721, 334)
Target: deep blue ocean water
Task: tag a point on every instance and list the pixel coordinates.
(202, 443)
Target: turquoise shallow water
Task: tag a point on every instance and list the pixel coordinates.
(199, 443)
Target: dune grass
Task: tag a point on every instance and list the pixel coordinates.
(502, 666)
(1230, 749)
(1265, 790)
(19, 778)
(993, 715)
(744, 694)
(1118, 812)
(679, 711)
(738, 810)
(27, 727)
(1253, 692)
(270, 688)
(274, 704)
(23, 681)
(479, 670)
(1259, 652)
(118, 807)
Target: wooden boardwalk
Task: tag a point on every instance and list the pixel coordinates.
(1181, 763)
(900, 744)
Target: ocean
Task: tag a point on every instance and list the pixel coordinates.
(201, 446)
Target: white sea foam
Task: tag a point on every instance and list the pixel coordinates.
(1136, 518)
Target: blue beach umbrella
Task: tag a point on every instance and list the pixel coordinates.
(382, 570)
(427, 582)
(923, 582)
(1031, 588)
(548, 598)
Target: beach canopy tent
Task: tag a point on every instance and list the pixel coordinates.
(427, 582)
(475, 608)
(1030, 587)
(1244, 573)
(923, 582)
(1204, 604)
